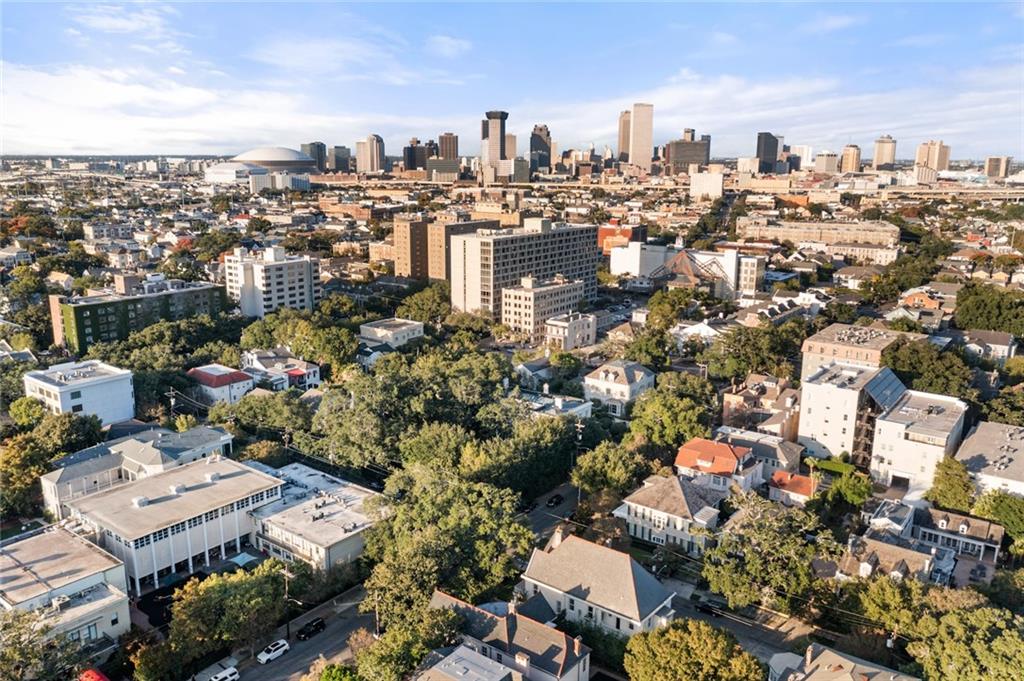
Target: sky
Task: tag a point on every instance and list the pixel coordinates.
(220, 78)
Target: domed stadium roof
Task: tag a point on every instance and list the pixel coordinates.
(273, 154)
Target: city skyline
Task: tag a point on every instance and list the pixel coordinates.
(219, 79)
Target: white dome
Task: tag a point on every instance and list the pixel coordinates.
(273, 154)
(231, 166)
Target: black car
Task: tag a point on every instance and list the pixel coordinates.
(311, 629)
(706, 609)
(555, 500)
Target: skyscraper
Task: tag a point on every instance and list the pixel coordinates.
(449, 145)
(885, 153)
(933, 154)
(370, 154)
(492, 138)
(767, 152)
(997, 166)
(540, 147)
(339, 159)
(850, 161)
(414, 156)
(681, 153)
(641, 136)
(826, 162)
(318, 152)
(433, 151)
(510, 146)
(624, 136)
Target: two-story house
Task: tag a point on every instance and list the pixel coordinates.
(280, 369)
(617, 384)
(719, 465)
(590, 583)
(671, 511)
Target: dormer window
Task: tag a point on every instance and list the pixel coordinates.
(942, 524)
(963, 528)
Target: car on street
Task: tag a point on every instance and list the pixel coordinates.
(555, 500)
(706, 609)
(273, 651)
(527, 506)
(311, 628)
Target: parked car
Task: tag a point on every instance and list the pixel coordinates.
(273, 651)
(555, 500)
(311, 628)
(229, 674)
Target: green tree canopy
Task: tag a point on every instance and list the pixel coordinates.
(689, 650)
(982, 644)
(30, 650)
(609, 466)
(430, 306)
(922, 366)
(27, 412)
(952, 487)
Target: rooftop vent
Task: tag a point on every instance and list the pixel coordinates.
(176, 489)
(139, 502)
(212, 477)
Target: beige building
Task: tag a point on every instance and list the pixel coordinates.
(382, 250)
(864, 231)
(933, 154)
(526, 307)
(884, 157)
(870, 254)
(80, 589)
(826, 162)
(857, 346)
(410, 239)
(488, 261)
(624, 135)
(439, 240)
(570, 331)
(641, 136)
(997, 166)
(850, 161)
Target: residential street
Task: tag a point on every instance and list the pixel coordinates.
(542, 520)
(342, 618)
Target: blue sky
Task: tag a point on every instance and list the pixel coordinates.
(223, 77)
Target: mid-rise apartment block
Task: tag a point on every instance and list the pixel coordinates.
(858, 346)
(131, 305)
(264, 282)
(525, 308)
(863, 231)
(84, 388)
(439, 240)
(410, 239)
(485, 263)
(394, 331)
(994, 456)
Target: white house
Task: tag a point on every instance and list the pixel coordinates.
(90, 387)
(617, 384)
(219, 383)
(281, 369)
(671, 511)
(78, 587)
(395, 332)
(591, 583)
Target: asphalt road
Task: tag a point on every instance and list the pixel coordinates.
(542, 520)
(332, 643)
(756, 638)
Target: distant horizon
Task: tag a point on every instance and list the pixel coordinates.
(218, 78)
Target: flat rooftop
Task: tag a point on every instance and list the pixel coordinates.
(995, 449)
(76, 373)
(843, 377)
(869, 337)
(318, 507)
(46, 561)
(114, 508)
(465, 664)
(393, 324)
(925, 413)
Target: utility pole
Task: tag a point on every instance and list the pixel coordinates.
(288, 625)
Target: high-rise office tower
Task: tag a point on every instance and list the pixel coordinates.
(510, 146)
(414, 156)
(433, 151)
(885, 153)
(933, 154)
(681, 153)
(767, 152)
(318, 152)
(624, 136)
(641, 136)
(449, 146)
(370, 154)
(826, 162)
(540, 147)
(339, 159)
(997, 166)
(850, 161)
(492, 138)
(805, 152)
(688, 134)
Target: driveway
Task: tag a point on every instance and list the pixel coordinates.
(342, 618)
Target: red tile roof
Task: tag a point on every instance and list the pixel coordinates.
(802, 485)
(218, 380)
(707, 456)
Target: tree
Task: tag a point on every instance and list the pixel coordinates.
(267, 452)
(922, 366)
(609, 466)
(27, 412)
(437, 445)
(665, 308)
(854, 488)
(156, 662)
(1006, 407)
(764, 350)
(29, 651)
(1006, 590)
(403, 646)
(183, 422)
(689, 650)
(650, 348)
(764, 557)
(987, 307)
(983, 644)
(952, 487)
(1007, 510)
(680, 408)
(430, 306)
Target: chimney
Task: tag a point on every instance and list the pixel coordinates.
(556, 538)
(577, 645)
(809, 656)
(523, 660)
(546, 387)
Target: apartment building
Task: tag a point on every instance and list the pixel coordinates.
(912, 436)
(858, 346)
(79, 588)
(732, 273)
(570, 331)
(108, 230)
(90, 387)
(488, 261)
(410, 239)
(525, 308)
(671, 511)
(175, 521)
(126, 459)
(439, 240)
(832, 232)
(263, 282)
(132, 305)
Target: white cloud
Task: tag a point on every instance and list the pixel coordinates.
(122, 19)
(828, 23)
(447, 46)
(175, 71)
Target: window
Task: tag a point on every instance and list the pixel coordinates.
(76, 394)
(76, 408)
(113, 620)
(572, 603)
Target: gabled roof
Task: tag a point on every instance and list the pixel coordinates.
(793, 483)
(620, 371)
(549, 649)
(599, 575)
(708, 456)
(218, 379)
(674, 496)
